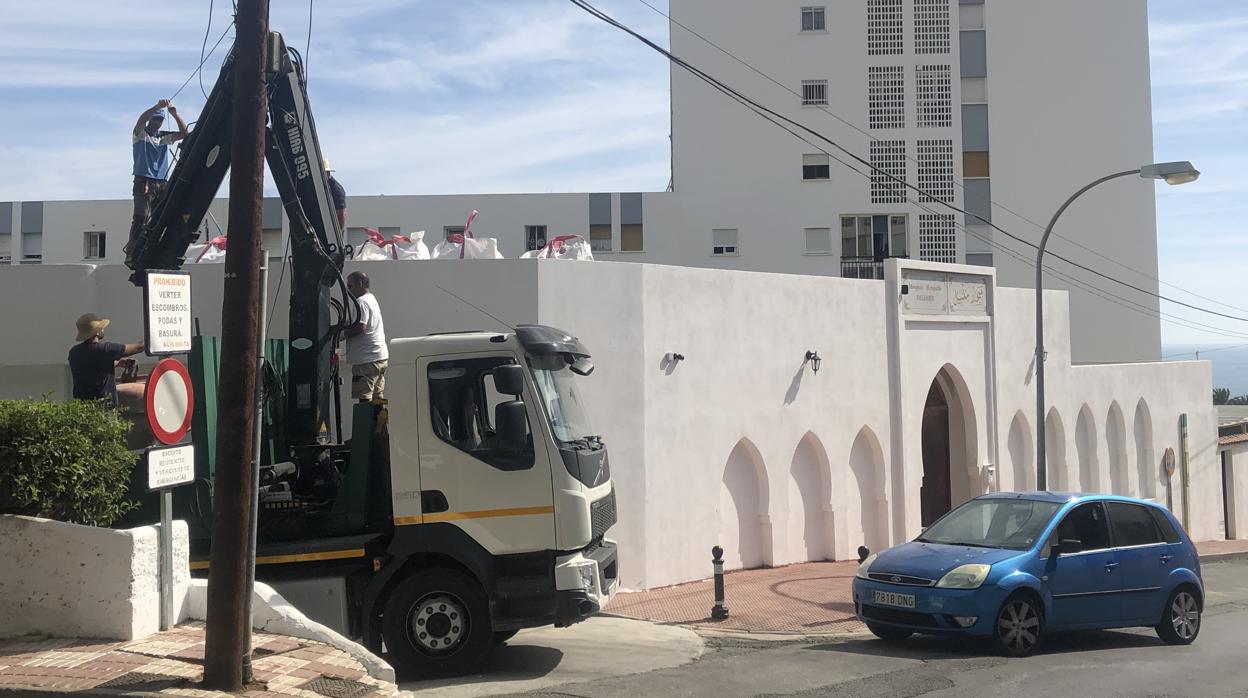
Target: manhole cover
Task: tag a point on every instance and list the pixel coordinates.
(337, 688)
(139, 681)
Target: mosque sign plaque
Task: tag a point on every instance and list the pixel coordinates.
(932, 293)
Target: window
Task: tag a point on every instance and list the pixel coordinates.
(931, 27)
(938, 241)
(876, 236)
(6, 248)
(93, 244)
(813, 19)
(1086, 524)
(1132, 525)
(884, 28)
(886, 97)
(933, 94)
(975, 164)
(461, 400)
(814, 93)
(1014, 524)
(816, 167)
(534, 237)
(936, 170)
(979, 259)
(1168, 531)
(631, 238)
(600, 237)
(450, 230)
(724, 242)
(356, 237)
(890, 157)
(32, 248)
(818, 241)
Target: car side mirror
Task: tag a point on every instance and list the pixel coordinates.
(509, 379)
(1069, 546)
(511, 424)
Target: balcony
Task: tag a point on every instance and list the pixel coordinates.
(865, 267)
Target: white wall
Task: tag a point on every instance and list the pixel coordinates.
(66, 580)
(1236, 481)
(741, 443)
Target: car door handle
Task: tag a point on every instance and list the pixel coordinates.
(1111, 566)
(1166, 558)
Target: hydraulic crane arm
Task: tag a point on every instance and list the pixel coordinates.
(316, 243)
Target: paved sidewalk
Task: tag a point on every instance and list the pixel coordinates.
(171, 664)
(813, 598)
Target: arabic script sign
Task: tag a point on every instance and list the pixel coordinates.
(930, 293)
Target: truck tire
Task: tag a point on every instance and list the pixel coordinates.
(437, 623)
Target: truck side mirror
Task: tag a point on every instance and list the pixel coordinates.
(509, 379)
(511, 423)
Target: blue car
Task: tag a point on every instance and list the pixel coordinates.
(1015, 566)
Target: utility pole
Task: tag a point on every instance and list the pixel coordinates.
(228, 631)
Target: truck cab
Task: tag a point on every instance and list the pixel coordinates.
(501, 494)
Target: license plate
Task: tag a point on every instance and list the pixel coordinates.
(892, 598)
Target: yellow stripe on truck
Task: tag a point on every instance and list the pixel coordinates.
(465, 515)
(300, 557)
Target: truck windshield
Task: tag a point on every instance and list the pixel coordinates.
(992, 523)
(561, 395)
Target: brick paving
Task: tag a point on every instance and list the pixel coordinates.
(171, 663)
(813, 598)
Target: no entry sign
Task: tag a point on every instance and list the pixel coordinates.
(170, 401)
(167, 312)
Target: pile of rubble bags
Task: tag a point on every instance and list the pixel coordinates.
(209, 252)
(377, 247)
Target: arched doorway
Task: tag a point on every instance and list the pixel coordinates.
(1116, 446)
(1022, 453)
(865, 506)
(1085, 448)
(1145, 463)
(810, 502)
(948, 442)
(1055, 452)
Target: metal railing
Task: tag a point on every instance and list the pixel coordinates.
(865, 267)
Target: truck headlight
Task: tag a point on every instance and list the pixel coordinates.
(965, 577)
(587, 576)
(866, 566)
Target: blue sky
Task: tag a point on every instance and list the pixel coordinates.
(435, 96)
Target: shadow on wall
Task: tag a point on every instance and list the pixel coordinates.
(1085, 447)
(1022, 453)
(1145, 461)
(865, 504)
(1055, 452)
(810, 502)
(743, 529)
(1116, 447)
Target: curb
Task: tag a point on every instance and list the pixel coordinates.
(1224, 557)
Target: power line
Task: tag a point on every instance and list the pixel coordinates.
(1205, 351)
(200, 67)
(202, 46)
(1001, 206)
(307, 48)
(733, 93)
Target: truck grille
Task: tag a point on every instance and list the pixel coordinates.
(602, 514)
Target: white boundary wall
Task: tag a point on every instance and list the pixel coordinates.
(741, 444)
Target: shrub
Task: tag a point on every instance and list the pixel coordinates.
(64, 460)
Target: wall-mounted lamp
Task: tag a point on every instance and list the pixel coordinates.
(813, 358)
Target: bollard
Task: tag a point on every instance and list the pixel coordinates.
(863, 553)
(719, 611)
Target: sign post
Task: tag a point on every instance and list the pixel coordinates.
(169, 400)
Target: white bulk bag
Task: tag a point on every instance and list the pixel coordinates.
(411, 246)
(467, 247)
(563, 247)
(210, 252)
(375, 248)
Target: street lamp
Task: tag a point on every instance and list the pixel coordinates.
(1172, 173)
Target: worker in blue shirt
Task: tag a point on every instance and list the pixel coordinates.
(151, 160)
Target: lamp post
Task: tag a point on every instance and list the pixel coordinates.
(1173, 173)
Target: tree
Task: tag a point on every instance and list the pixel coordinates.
(1221, 396)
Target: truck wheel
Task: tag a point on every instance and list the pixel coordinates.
(437, 623)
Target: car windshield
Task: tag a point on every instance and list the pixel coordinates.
(561, 395)
(992, 523)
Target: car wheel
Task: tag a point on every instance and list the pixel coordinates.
(437, 623)
(1180, 624)
(502, 636)
(1019, 626)
(888, 633)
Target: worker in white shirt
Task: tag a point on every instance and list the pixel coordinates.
(366, 344)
